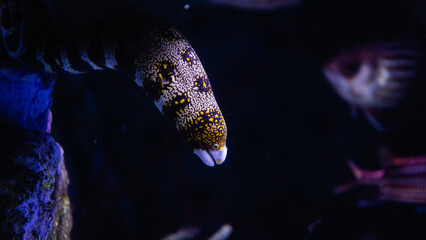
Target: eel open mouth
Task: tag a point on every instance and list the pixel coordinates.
(210, 158)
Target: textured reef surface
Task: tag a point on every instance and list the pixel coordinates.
(34, 202)
(25, 98)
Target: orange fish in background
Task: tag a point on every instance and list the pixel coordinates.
(401, 179)
(374, 76)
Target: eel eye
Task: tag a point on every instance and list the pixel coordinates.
(215, 146)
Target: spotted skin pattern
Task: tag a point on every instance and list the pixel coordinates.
(143, 47)
(207, 125)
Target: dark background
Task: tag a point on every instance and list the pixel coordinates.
(289, 135)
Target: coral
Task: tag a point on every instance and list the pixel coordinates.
(25, 98)
(34, 202)
(33, 186)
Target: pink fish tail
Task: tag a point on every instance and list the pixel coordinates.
(365, 174)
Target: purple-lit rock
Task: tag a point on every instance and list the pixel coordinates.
(34, 201)
(25, 98)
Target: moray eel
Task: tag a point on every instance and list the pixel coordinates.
(140, 45)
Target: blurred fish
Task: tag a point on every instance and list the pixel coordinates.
(183, 234)
(374, 76)
(187, 233)
(401, 179)
(223, 233)
(313, 225)
(258, 4)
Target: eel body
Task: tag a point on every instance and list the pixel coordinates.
(139, 45)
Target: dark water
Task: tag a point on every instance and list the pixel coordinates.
(289, 134)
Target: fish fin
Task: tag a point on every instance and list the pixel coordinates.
(372, 120)
(183, 233)
(344, 187)
(356, 171)
(223, 233)
(313, 225)
(362, 177)
(365, 174)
